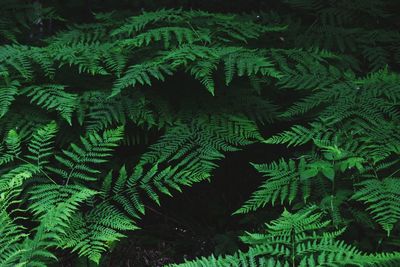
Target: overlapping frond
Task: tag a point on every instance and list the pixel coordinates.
(330, 68)
(297, 239)
(95, 149)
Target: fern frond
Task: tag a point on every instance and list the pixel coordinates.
(247, 62)
(182, 35)
(377, 56)
(77, 162)
(53, 97)
(7, 96)
(41, 144)
(55, 217)
(283, 184)
(13, 143)
(381, 197)
(15, 58)
(138, 23)
(12, 234)
(298, 135)
(141, 73)
(46, 196)
(93, 233)
(298, 239)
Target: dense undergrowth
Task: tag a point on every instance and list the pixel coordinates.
(105, 112)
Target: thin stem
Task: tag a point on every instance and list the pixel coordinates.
(393, 173)
(195, 31)
(40, 170)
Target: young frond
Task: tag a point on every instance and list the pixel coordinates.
(97, 112)
(203, 135)
(377, 56)
(124, 192)
(86, 57)
(203, 71)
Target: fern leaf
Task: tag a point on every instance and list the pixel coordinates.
(7, 96)
(53, 97)
(94, 233)
(283, 184)
(41, 143)
(381, 197)
(77, 160)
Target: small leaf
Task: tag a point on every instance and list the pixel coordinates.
(329, 173)
(306, 174)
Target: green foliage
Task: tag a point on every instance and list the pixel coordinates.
(53, 97)
(76, 97)
(381, 198)
(96, 148)
(283, 185)
(298, 239)
(41, 144)
(7, 96)
(94, 233)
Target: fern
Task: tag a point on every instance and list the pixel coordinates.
(325, 75)
(53, 223)
(138, 23)
(377, 56)
(53, 97)
(50, 195)
(381, 198)
(11, 233)
(96, 148)
(13, 143)
(141, 74)
(7, 96)
(298, 135)
(92, 234)
(41, 144)
(283, 185)
(182, 36)
(296, 239)
(19, 249)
